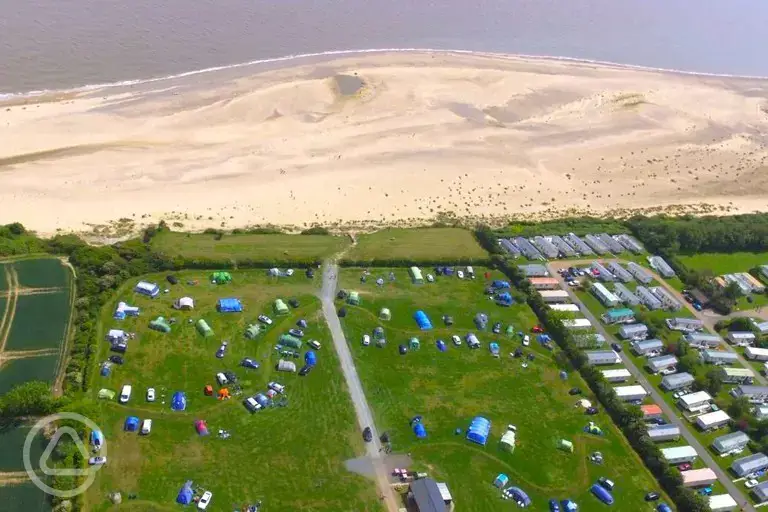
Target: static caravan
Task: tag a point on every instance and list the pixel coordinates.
(749, 464)
(722, 503)
(626, 295)
(603, 273)
(619, 316)
(695, 402)
(509, 247)
(596, 244)
(661, 433)
(643, 347)
(668, 301)
(741, 338)
(611, 243)
(555, 296)
(544, 283)
(620, 272)
(719, 357)
(546, 247)
(620, 375)
(685, 324)
(565, 308)
(679, 454)
(737, 375)
(677, 381)
(578, 244)
(729, 443)
(630, 393)
(703, 340)
(633, 331)
(761, 492)
(639, 272)
(712, 420)
(662, 267)
(563, 246)
(604, 295)
(602, 357)
(651, 411)
(698, 477)
(661, 363)
(577, 323)
(647, 298)
(416, 275)
(528, 249)
(148, 289)
(755, 394)
(756, 354)
(629, 243)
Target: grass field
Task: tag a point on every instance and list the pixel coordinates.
(24, 497)
(725, 263)
(12, 440)
(449, 388)
(291, 457)
(254, 247)
(425, 244)
(28, 332)
(42, 273)
(18, 371)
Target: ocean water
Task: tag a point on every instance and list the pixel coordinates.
(62, 44)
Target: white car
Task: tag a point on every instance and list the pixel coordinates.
(205, 499)
(277, 387)
(456, 340)
(752, 482)
(265, 319)
(289, 272)
(146, 427)
(430, 278)
(97, 461)
(526, 340)
(150, 394)
(366, 340)
(460, 274)
(125, 394)
(222, 379)
(314, 344)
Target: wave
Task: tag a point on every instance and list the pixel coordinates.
(336, 53)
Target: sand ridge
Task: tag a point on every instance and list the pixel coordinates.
(386, 137)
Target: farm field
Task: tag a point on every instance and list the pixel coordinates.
(724, 263)
(290, 457)
(42, 273)
(24, 497)
(449, 388)
(254, 247)
(28, 332)
(421, 244)
(12, 440)
(19, 371)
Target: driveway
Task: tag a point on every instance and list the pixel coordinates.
(705, 456)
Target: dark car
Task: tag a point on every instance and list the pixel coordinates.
(120, 347)
(305, 369)
(296, 332)
(342, 312)
(554, 506)
(616, 347)
(222, 349)
(531, 357)
(172, 279)
(652, 496)
(402, 349)
(574, 391)
(310, 273)
(685, 466)
(448, 320)
(230, 375)
(293, 303)
(249, 363)
(591, 411)
(518, 352)
(367, 434)
(496, 328)
(116, 359)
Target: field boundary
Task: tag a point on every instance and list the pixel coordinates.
(58, 388)
(12, 279)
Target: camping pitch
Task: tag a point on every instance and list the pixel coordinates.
(221, 278)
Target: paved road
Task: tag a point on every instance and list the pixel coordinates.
(363, 411)
(705, 456)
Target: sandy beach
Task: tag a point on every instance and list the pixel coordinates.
(381, 138)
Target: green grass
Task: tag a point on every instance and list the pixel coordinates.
(42, 273)
(421, 244)
(580, 226)
(18, 371)
(724, 263)
(25, 497)
(449, 388)
(292, 457)
(254, 247)
(41, 321)
(12, 438)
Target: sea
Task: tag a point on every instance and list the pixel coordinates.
(69, 44)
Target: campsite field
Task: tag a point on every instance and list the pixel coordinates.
(290, 457)
(725, 263)
(420, 244)
(449, 388)
(254, 247)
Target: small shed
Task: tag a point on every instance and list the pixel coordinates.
(385, 314)
(184, 303)
(414, 344)
(160, 324)
(501, 481)
(353, 298)
(221, 277)
(229, 305)
(252, 331)
(280, 307)
(203, 328)
(565, 445)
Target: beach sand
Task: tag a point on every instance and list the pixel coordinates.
(381, 138)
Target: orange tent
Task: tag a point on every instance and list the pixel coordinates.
(208, 390)
(223, 393)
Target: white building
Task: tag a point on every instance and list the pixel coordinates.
(565, 308)
(629, 242)
(756, 353)
(577, 323)
(647, 298)
(737, 375)
(604, 295)
(620, 375)
(712, 420)
(761, 492)
(741, 338)
(722, 503)
(662, 267)
(555, 296)
(633, 331)
(695, 402)
(602, 357)
(685, 324)
(668, 301)
(533, 270)
(719, 357)
(639, 273)
(629, 393)
(698, 477)
(679, 454)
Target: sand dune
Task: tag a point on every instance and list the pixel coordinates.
(386, 137)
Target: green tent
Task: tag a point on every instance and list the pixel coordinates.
(565, 445)
(203, 328)
(510, 330)
(288, 340)
(252, 331)
(385, 314)
(414, 344)
(221, 277)
(106, 394)
(354, 298)
(160, 324)
(280, 307)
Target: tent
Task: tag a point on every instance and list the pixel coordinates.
(507, 442)
(131, 424)
(419, 430)
(385, 314)
(252, 331)
(501, 481)
(203, 328)
(353, 298)
(504, 299)
(201, 427)
(229, 306)
(478, 430)
(378, 333)
(301, 324)
(221, 277)
(494, 347)
(441, 346)
(481, 321)
(160, 324)
(280, 307)
(510, 331)
(106, 370)
(310, 358)
(500, 285)
(422, 320)
(591, 428)
(520, 495)
(569, 506)
(602, 494)
(123, 310)
(414, 344)
(179, 401)
(106, 394)
(185, 494)
(288, 340)
(565, 445)
(208, 390)
(286, 366)
(223, 394)
(184, 303)
(97, 439)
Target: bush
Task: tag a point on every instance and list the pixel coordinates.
(316, 230)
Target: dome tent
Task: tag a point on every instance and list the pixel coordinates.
(203, 328)
(185, 494)
(131, 424)
(179, 401)
(252, 331)
(479, 430)
(507, 442)
(385, 314)
(420, 430)
(310, 358)
(280, 307)
(221, 277)
(414, 344)
(422, 320)
(229, 305)
(160, 324)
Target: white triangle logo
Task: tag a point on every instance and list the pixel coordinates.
(61, 432)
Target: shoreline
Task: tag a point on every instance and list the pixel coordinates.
(335, 54)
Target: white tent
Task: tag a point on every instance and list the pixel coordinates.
(185, 303)
(115, 335)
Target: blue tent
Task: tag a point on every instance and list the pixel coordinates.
(105, 370)
(423, 320)
(504, 299)
(478, 430)
(602, 494)
(310, 358)
(441, 346)
(131, 424)
(501, 481)
(569, 506)
(664, 508)
(179, 401)
(420, 431)
(500, 285)
(229, 306)
(185, 494)
(494, 347)
(520, 495)
(97, 439)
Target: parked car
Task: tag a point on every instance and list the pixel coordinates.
(314, 344)
(97, 461)
(367, 434)
(496, 328)
(205, 500)
(294, 303)
(230, 375)
(460, 274)
(705, 491)
(305, 370)
(635, 402)
(172, 279)
(652, 496)
(752, 482)
(249, 363)
(456, 340)
(537, 329)
(366, 340)
(146, 427)
(279, 388)
(591, 411)
(296, 332)
(574, 391)
(116, 359)
(251, 404)
(606, 484)
(685, 466)
(310, 273)
(222, 349)
(616, 347)
(265, 319)
(554, 506)
(120, 347)
(150, 394)
(125, 394)
(526, 340)
(430, 278)
(222, 379)
(402, 349)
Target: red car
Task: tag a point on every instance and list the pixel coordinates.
(537, 328)
(685, 466)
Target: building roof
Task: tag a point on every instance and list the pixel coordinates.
(647, 344)
(677, 378)
(721, 355)
(664, 430)
(629, 390)
(618, 372)
(634, 328)
(713, 417)
(747, 389)
(730, 441)
(738, 372)
(722, 501)
(698, 475)
(553, 293)
(679, 451)
(427, 496)
(696, 398)
(743, 335)
(620, 313)
(650, 409)
(750, 463)
(542, 280)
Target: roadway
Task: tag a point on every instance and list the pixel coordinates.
(639, 375)
(362, 409)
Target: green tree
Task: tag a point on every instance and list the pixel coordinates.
(33, 398)
(739, 407)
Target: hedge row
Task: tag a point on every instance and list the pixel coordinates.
(405, 262)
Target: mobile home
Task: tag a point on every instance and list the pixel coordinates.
(749, 464)
(677, 381)
(661, 363)
(565, 308)
(754, 394)
(695, 402)
(577, 323)
(647, 298)
(756, 353)
(620, 375)
(630, 393)
(703, 340)
(663, 433)
(555, 296)
(633, 331)
(544, 283)
(668, 301)
(643, 347)
(602, 357)
(679, 454)
(685, 324)
(712, 420)
(741, 338)
(626, 295)
(619, 316)
(698, 477)
(722, 503)
(639, 273)
(730, 443)
(620, 272)
(603, 273)
(604, 295)
(662, 267)
(719, 357)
